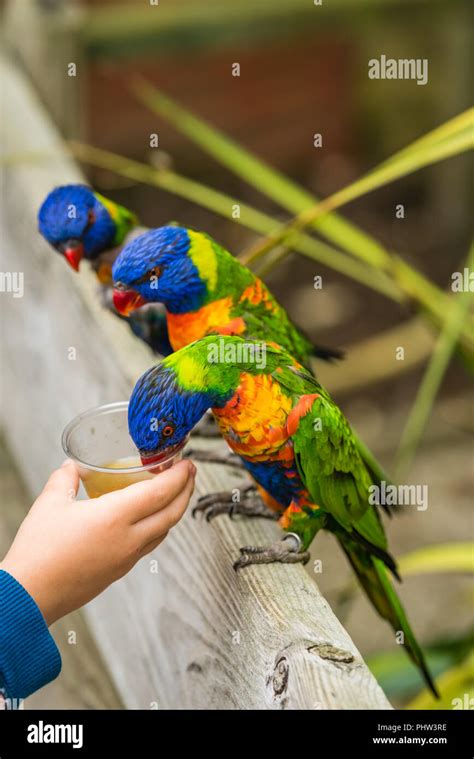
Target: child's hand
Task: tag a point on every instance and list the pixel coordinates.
(66, 552)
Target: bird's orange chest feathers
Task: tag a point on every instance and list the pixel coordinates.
(213, 317)
(254, 420)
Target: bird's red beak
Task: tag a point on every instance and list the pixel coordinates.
(153, 458)
(157, 457)
(126, 301)
(73, 255)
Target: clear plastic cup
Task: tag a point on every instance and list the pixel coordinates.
(106, 456)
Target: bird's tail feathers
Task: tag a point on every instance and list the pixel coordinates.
(328, 354)
(372, 575)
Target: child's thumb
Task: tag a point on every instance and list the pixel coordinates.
(63, 482)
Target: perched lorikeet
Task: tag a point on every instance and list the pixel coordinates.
(205, 289)
(80, 223)
(295, 442)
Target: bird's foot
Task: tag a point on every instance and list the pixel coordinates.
(286, 551)
(210, 457)
(250, 505)
(206, 428)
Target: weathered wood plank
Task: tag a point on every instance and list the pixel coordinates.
(182, 629)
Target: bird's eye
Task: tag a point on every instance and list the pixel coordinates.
(168, 430)
(148, 276)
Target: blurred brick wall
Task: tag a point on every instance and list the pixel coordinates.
(287, 91)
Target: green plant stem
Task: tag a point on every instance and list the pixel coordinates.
(461, 123)
(412, 282)
(271, 261)
(263, 224)
(275, 185)
(432, 379)
(430, 147)
(224, 204)
(396, 168)
(442, 557)
(268, 180)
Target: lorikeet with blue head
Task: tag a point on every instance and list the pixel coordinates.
(205, 289)
(79, 223)
(294, 441)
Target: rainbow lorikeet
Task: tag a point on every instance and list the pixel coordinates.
(205, 290)
(294, 441)
(80, 223)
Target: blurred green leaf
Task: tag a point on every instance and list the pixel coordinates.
(456, 687)
(401, 680)
(406, 161)
(274, 184)
(445, 557)
(433, 377)
(268, 180)
(449, 139)
(223, 204)
(458, 124)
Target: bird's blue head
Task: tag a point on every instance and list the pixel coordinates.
(80, 223)
(165, 265)
(161, 414)
(171, 397)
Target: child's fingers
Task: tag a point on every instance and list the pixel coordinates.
(152, 545)
(156, 525)
(138, 501)
(63, 482)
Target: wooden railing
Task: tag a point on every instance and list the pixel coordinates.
(182, 630)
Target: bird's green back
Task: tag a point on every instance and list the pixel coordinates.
(264, 317)
(124, 219)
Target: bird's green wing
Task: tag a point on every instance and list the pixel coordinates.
(333, 471)
(375, 470)
(275, 326)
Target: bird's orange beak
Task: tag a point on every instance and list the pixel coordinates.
(73, 252)
(126, 301)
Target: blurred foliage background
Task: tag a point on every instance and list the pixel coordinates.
(303, 71)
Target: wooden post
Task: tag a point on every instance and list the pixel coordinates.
(182, 630)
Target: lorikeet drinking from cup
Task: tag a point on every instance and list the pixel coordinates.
(82, 224)
(206, 290)
(294, 441)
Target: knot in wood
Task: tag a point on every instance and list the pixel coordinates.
(280, 676)
(330, 652)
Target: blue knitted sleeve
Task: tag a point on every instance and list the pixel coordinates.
(29, 657)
